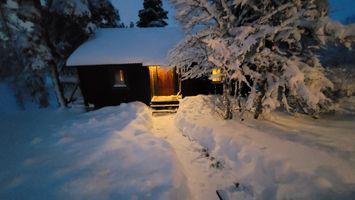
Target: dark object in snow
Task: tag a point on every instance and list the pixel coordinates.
(225, 193)
(218, 165)
(236, 184)
(222, 195)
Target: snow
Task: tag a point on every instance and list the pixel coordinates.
(11, 4)
(105, 154)
(7, 99)
(346, 106)
(74, 7)
(288, 158)
(124, 152)
(148, 46)
(240, 45)
(19, 24)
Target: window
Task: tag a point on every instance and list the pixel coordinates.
(119, 79)
(216, 75)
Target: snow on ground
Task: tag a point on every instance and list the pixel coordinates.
(105, 154)
(295, 159)
(124, 153)
(7, 99)
(346, 106)
(202, 180)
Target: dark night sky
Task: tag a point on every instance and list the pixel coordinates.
(340, 9)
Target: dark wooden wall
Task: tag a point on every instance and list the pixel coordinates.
(97, 82)
(193, 87)
(97, 85)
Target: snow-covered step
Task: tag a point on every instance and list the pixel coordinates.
(163, 105)
(162, 111)
(164, 108)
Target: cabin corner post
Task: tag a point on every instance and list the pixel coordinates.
(179, 79)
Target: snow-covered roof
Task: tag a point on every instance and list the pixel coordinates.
(149, 46)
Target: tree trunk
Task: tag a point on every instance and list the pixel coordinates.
(237, 95)
(52, 64)
(259, 100)
(57, 86)
(226, 101)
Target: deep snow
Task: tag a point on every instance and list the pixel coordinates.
(286, 158)
(106, 154)
(124, 152)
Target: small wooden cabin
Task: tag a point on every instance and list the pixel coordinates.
(124, 65)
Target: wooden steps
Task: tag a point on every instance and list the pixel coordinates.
(165, 104)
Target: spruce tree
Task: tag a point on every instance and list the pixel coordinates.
(152, 15)
(131, 25)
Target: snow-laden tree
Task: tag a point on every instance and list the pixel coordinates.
(22, 37)
(152, 14)
(264, 47)
(104, 14)
(37, 38)
(70, 22)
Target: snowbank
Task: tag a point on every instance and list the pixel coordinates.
(257, 164)
(346, 105)
(7, 99)
(105, 154)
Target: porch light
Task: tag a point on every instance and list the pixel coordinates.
(216, 75)
(153, 66)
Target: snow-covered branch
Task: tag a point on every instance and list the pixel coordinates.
(268, 45)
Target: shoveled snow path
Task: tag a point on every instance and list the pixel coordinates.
(202, 179)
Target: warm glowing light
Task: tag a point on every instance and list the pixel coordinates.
(216, 75)
(121, 75)
(119, 79)
(153, 66)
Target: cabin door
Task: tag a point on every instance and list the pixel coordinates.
(162, 81)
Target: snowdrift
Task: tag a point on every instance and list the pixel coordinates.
(259, 164)
(105, 154)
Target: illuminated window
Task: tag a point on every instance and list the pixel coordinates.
(119, 79)
(216, 75)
